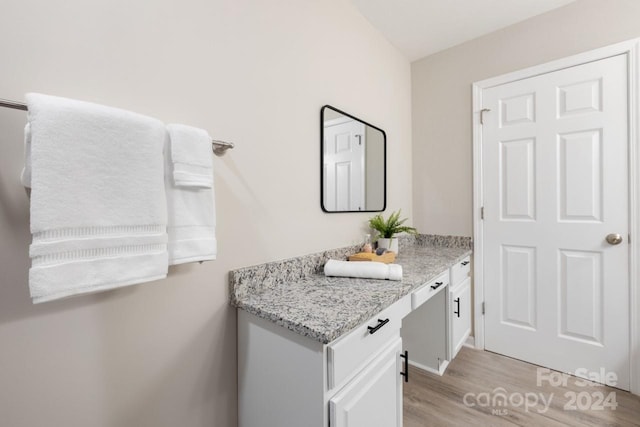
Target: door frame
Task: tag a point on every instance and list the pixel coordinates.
(631, 48)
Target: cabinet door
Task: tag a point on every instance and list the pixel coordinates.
(374, 397)
(460, 309)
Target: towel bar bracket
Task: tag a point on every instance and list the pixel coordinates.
(218, 147)
(221, 147)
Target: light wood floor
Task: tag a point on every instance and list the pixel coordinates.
(431, 400)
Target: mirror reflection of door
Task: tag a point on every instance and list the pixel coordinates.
(344, 157)
(353, 174)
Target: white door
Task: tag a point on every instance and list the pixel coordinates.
(344, 165)
(555, 184)
(374, 397)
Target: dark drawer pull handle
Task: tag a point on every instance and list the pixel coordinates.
(437, 285)
(457, 301)
(381, 323)
(405, 374)
(464, 263)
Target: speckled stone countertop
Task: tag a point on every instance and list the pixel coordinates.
(295, 293)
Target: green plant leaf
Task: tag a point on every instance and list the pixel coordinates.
(390, 227)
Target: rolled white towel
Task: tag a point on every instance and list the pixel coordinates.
(363, 270)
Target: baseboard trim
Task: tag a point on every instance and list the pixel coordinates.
(443, 367)
(470, 342)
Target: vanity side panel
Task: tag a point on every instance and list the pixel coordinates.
(280, 376)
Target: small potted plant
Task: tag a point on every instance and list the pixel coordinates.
(388, 228)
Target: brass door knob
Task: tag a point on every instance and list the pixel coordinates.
(614, 239)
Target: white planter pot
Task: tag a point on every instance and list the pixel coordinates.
(389, 244)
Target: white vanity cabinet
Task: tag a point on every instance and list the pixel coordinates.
(459, 306)
(306, 357)
(286, 379)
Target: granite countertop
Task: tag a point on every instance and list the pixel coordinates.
(296, 295)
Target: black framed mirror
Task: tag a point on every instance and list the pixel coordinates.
(353, 163)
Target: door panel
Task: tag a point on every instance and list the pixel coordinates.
(581, 296)
(555, 183)
(517, 176)
(518, 109)
(580, 173)
(518, 286)
(580, 98)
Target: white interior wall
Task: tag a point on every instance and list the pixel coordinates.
(249, 71)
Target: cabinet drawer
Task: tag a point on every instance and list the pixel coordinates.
(350, 353)
(460, 271)
(423, 294)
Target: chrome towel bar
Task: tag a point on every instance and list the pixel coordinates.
(219, 147)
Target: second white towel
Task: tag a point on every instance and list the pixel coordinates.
(363, 270)
(190, 195)
(191, 156)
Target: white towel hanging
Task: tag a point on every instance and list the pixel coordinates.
(98, 205)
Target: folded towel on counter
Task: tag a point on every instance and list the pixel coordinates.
(98, 205)
(190, 195)
(191, 156)
(363, 270)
